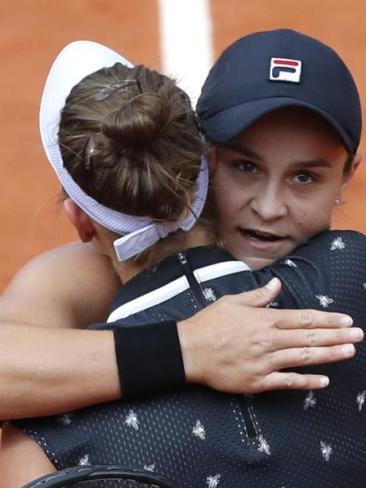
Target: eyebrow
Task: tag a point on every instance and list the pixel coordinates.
(311, 163)
(238, 147)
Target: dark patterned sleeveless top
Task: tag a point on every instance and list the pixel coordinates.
(202, 438)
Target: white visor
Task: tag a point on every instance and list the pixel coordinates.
(76, 61)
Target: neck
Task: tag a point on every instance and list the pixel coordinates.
(200, 235)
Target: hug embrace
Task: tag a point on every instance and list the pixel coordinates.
(180, 221)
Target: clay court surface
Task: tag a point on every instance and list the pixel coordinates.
(33, 31)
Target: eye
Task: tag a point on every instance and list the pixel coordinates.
(247, 167)
(304, 178)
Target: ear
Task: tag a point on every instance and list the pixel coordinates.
(80, 220)
(347, 177)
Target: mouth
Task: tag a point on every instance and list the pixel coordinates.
(262, 235)
(267, 244)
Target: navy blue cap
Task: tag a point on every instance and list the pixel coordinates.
(265, 71)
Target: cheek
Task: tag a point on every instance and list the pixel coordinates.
(226, 196)
(225, 206)
(232, 192)
(230, 204)
(313, 215)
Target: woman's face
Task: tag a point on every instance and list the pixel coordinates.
(277, 184)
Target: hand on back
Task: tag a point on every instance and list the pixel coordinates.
(237, 345)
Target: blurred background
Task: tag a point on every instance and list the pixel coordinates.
(180, 37)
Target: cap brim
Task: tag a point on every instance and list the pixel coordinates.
(76, 61)
(227, 124)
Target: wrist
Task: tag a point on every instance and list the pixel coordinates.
(189, 344)
(149, 359)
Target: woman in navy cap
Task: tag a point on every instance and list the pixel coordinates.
(314, 162)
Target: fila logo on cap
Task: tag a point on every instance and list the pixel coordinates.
(285, 70)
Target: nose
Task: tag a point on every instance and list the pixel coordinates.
(269, 203)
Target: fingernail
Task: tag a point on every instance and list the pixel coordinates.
(348, 349)
(357, 333)
(324, 381)
(272, 284)
(347, 320)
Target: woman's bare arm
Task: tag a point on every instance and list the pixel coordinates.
(46, 370)
(69, 287)
(21, 459)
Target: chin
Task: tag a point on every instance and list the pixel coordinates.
(252, 261)
(257, 259)
(258, 263)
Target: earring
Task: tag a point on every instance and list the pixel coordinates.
(338, 201)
